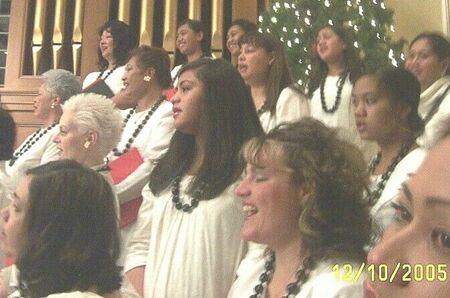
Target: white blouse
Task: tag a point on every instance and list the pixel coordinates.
(41, 152)
(114, 80)
(322, 281)
(187, 254)
(291, 106)
(152, 141)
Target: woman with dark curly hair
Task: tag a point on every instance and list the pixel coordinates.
(64, 238)
(115, 41)
(303, 197)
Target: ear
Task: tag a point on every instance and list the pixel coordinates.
(57, 100)
(150, 72)
(199, 36)
(445, 66)
(92, 137)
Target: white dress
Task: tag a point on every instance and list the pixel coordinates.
(427, 100)
(342, 118)
(152, 141)
(41, 152)
(381, 211)
(187, 254)
(114, 80)
(291, 106)
(322, 281)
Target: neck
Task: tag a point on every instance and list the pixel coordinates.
(389, 150)
(288, 259)
(335, 68)
(149, 98)
(258, 94)
(92, 159)
(195, 55)
(198, 157)
(111, 63)
(53, 117)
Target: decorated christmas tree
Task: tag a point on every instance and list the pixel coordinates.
(296, 22)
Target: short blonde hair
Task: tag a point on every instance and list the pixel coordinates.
(93, 112)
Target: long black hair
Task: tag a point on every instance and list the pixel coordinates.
(229, 120)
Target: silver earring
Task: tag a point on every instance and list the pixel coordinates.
(147, 78)
(52, 106)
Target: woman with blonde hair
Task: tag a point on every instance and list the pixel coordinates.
(303, 198)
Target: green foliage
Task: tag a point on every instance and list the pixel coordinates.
(297, 22)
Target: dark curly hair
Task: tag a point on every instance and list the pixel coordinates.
(334, 220)
(123, 42)
(70, 232)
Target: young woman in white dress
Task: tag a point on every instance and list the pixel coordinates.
(428, 59)
(58, 86)
(335, 67)
(187, 239)
(385, 109)
(303, 198)
(61, 230)
(263, 65)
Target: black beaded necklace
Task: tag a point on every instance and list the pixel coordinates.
(138, 129)
(293, 288)
(30, 142)
(186, 207)
(338, 95)
(108, 73)
(376, 193)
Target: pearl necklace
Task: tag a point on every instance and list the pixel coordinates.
(293, 288)
(138, 129)
(107, 73)
(30, 142)
(338, 95)
(186, 207)
(376, 193)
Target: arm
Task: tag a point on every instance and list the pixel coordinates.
(138, 245)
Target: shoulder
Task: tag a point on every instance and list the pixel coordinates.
(325, 283)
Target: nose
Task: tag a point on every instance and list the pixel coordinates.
(242, 190)
(241, 56)
(175, 98)
(4, 213)
(56, 139)
(394, 254)
(358, 108)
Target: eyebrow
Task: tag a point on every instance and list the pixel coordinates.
(407, 192)
(432, 201)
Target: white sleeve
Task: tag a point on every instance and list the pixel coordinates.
(50, 153)
(131, 187)
(291, 106)
(139, 242)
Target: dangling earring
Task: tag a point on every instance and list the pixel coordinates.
(87, 144)
(147, 78)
